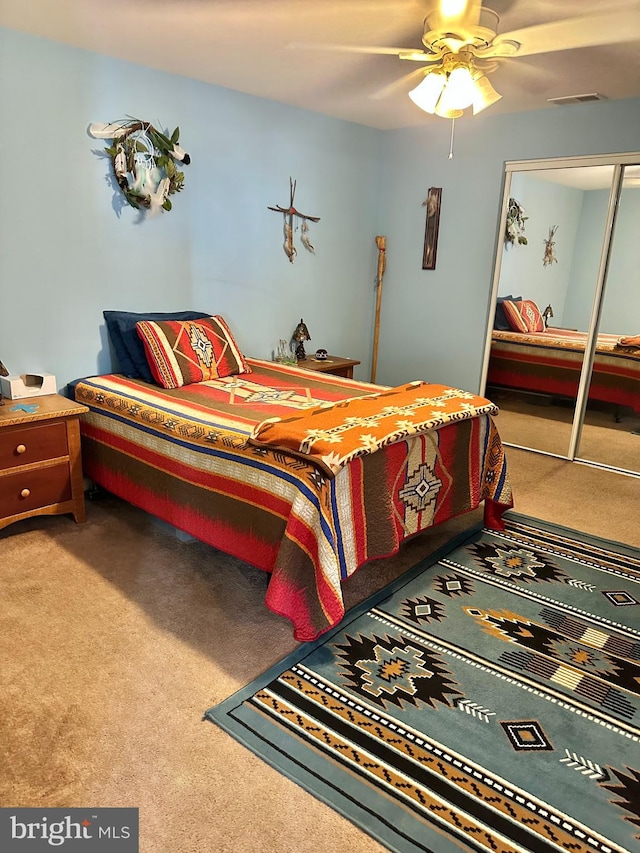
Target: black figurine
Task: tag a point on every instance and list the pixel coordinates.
(3, 372)
(301, 335)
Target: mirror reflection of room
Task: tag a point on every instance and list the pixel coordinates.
(550, 266)
(618, 444)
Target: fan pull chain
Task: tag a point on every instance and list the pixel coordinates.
(453, 125)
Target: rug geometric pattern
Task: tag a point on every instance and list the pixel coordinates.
(488, 700)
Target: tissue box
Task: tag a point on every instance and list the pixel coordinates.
(28, 385)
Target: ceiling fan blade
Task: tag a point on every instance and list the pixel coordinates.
(405, 52)
(572, 33)
(400, 86)
(498, 49)
(419, 56)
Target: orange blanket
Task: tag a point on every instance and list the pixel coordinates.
(633, 341)
(332, 434)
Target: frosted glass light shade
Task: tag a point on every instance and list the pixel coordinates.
(445, 112)
(485, 95)
(460, 89)
(427, 93)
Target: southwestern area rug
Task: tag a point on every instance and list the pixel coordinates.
(487, 700)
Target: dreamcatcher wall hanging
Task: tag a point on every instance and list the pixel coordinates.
(144, 162)
(290, 215)
(514, 228)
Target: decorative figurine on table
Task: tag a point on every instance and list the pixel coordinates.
(300, 335)
(3, 372)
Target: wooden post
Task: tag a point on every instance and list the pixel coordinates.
(381, 243)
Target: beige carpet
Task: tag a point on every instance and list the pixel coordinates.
(116, 636)
(531, 420)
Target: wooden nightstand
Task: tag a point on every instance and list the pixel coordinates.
(332, 364)
(40, 463)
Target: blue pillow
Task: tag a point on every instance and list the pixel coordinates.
(500, 321)
(128, 347)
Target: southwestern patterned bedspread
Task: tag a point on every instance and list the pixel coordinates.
(186, 456)
(550, 362)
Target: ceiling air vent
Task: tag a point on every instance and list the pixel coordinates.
(577, 99)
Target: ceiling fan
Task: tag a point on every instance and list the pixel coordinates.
(462, 45)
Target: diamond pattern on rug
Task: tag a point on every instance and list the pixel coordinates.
(423, 609)
(516, 563)
(393, 672)
(526, 735)
(619, 597)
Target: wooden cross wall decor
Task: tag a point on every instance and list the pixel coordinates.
(289, 213)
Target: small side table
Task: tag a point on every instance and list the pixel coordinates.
(331, 364)
(40, 462)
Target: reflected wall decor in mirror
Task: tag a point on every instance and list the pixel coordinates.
(562, 354)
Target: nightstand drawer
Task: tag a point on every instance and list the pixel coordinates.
(28, 490)
(21, 445)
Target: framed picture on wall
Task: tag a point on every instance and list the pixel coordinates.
(432, 203)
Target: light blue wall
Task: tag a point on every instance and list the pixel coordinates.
(621, 307)
(66, 254)
(434, 321)
(586, 261)
(68, 250)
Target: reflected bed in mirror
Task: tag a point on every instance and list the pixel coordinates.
(550, 362)
(534, 379)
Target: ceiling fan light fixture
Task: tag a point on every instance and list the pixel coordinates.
(460, 90)
(452, 87)
(427, 93)
(444, 112)
(453, 8)
(485, 95)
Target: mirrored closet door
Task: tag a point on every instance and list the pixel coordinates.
(606, 440)
(565, 294)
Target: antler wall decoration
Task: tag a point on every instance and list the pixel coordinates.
(549, 252)
(289, 213)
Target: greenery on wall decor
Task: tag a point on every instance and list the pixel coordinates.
(144, 161)
(514, 230)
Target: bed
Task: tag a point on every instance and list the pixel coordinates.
(550, 362)
(201, 458)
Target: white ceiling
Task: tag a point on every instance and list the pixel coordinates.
(587, 177)
(264, 48)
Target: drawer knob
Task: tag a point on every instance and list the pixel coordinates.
(21, 448)
(25, 493)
